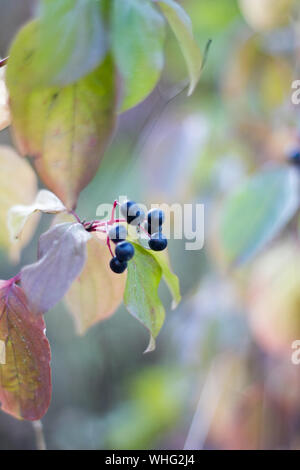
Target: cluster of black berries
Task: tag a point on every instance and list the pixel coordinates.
(134, 215)
(124, 251)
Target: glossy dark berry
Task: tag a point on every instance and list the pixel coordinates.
(124, 251)
(156, 217)
(158, 242)
(294, 157)
(117, 233)
(151, 229)
(117, 266)
(132, 212)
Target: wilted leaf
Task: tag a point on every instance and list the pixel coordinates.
(61, 258)
(141, 296)
(4, 101)
(273, 297)
(64, 130)
(264, 15)
(254, 76)
(256, 211)
(25, 378)
(182, 27)
(97, 292)
(72, 40)
(170, 278)
(18, 185)
(45, 201)
(137, 42)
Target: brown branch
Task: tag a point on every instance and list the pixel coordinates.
(3, 62)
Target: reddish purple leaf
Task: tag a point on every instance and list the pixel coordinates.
(25, 376)
(61, 258)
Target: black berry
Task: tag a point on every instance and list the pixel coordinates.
(117, 233)
(294, 157)
(151, 229)
(155, 217)
(132, 212)
(124, 251)
(158, 242)
(117, 266)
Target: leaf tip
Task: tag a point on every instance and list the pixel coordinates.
(175, 303)
(151, 346)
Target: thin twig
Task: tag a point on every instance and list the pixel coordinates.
(76, 216)
(39, 435)
(205, 55)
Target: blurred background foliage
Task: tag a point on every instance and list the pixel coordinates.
(221, 376)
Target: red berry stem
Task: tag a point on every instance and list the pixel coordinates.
(120, 220)
(10, 282)
(14, 279)
(3, 62)
(76, 216)
(102, 226)
(112, 218)
(109, 246)
(144, 230)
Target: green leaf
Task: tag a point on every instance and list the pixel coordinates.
(137, 42)
(141, 292)
(170, 278)
(181, 25)
(64, 130)
(256, 212)
(72, 40)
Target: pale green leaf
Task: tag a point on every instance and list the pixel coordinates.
(181, 25)
(137, 42)
(141, 292)
(72, 40)
(256, 212)
(170, 278)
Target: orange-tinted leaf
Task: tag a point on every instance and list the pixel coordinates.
(4, 107)
(64, 130)
(97, 292)
(18, 185)
(25, 379)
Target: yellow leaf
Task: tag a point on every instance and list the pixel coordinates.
(18, 185)
(264, 15)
